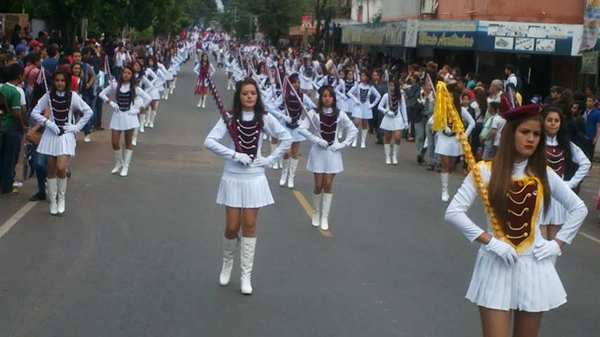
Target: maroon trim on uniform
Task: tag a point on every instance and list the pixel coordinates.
(328, 126)
(555, 158)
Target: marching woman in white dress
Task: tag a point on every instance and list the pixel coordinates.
(447, 146)
(325, 157)
(141, 80)
(156, 94)
(567, 160)
(244, 188)
(395, 119)
(58, 140)
(126, 99)
(294, 106)
(203, 70)
(365, 97)
(345, 102)
(514, 278)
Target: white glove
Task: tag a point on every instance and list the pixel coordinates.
(545, 249)
(336, 147)
(287, 119)
(390, 113)
(52, 127)
(322, 143)
(504, 251)
(447, 130)
(242, 158)
(114, 105)
(70, 128)
(262, 162)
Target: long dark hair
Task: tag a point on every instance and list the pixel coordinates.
(396, 94)
(562, 137)
(132, 82)
(67, 77)
(259, 108)
(502, 167)
(331, 92)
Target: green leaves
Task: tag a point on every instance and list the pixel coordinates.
(112, 16)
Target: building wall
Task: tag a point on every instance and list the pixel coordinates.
(395, 10)
(550, 11)
(371, 8)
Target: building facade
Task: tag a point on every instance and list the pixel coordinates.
(540, 38)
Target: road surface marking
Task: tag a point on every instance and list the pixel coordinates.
(309, 211)
(6, 226)
(591, 237)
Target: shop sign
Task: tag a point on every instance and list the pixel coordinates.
(534, 38)
(462, 40)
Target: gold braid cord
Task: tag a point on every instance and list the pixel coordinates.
(444, 112)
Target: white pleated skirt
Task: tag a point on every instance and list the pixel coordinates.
(53, 145)
(322, 160)
(556, 214)
(362, 111)
(528, 285)
(389, 123)
(244, 190)
(346, 105)
(154, 94)
(122, 121)
(448, 146)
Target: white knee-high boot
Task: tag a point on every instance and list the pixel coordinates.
(363, 140)
(148, 116)
(118, 161)
(229, 248)
(316, 217)
(153, 120)
(292, 172)
(387, 150)
(247, 263)
(355, 141)
(284, 172)
(134, 138)
(445, 195)
(199, 103)
(126, 161)
(327, 197)
(203, 101)
(142, 122)
(52, 191)
(395, 153)
(275, 165)
(62, 195)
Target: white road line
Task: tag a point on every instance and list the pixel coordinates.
(6, 226)
(591, 237)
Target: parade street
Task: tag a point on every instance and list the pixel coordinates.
(140, 256)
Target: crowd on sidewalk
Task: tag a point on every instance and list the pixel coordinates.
(30, 69)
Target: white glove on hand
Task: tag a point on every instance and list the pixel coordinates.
(336, 147)
(504, 251)
(242, 158)
(52, 127)
(390, 113)
(114, 105)
(70, 128)
(262, 162)
(448, 130)
(287, 119)
(322, 143)
(545, 249)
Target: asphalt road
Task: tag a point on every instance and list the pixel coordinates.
(139, 256)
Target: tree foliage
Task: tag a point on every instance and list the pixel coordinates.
(112, 16)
